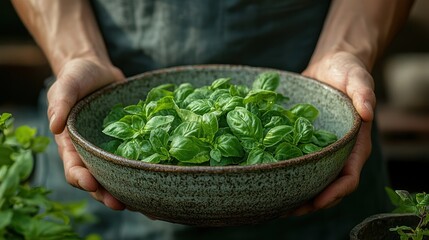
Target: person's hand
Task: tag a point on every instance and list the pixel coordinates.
(76, 79)
(347, 73)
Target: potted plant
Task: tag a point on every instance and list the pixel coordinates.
(408, 221)
(26, 212)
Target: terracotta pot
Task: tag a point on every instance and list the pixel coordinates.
(377, 227)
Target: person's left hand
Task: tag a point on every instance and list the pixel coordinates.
(347, 73)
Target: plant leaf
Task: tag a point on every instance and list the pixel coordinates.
(210, 126)
(303, 131)
(244, 124)
(276, 134)
(24, 135)
(220, 83)
(120, 130)
(229, 146)
(163, 122)
(305, 110)
(189, 149)
(267, 81)
(285, 151)
(129, 149)
(258, 156)
(115, 114)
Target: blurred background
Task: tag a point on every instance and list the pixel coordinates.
(402, 87)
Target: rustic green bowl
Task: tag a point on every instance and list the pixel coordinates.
(214, 196)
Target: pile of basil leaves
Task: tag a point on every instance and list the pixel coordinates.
(26, 211)
(217, 125)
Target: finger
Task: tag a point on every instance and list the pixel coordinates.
(360, 88)
(77, 79)
(303, 210)
(61, 98)
(350, 175)
(74, 169)
(103, 196)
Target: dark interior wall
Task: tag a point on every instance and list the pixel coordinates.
(23, 67)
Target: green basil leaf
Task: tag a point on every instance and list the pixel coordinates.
(404, 195)
(232, 103)
(189, 149)
(210, 126)
(153, 107)
(111, 146)
(303, 131)
(199, 93)
(305, 110)
(157, 93)
(285, 151)
(6, 121)
(187, 115)
(154, 158)
(272, 118)
(36, 229)
(145, 146)
(5, 218)
(182, 92)
(39, 144)
(120, 130)
(276, 134)
(422, 199)
(249, 144)
(244, 124)
(187, 129)
(307, 148)
(261, 96)
(219, 95)
(258, 156)
(24, 135)
(137, 109)
(5, 155)
(323, 138)
(114, 115)
(229, 146)
(163, 122)
(216, 155)
(253, 108)
(137, 123)
(395, 199)
(24, 159)
(200, 106)
(238, 90)
(129, 149)
(267, 81)
(220, 83)
(159, 139)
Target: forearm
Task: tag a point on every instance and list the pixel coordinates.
(64, 29)
(361, 27)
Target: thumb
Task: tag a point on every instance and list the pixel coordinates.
(61, 98)
(77, 79)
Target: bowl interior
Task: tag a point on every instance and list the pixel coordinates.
(336, 110)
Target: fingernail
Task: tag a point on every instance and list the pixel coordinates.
(368, 106)
(51, 121)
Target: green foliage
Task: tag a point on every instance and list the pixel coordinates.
(417, 204)
(25, 211)
(220, 124)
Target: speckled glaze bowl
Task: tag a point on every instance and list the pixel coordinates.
(214, 196)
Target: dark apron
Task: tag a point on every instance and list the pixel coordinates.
(146, 35)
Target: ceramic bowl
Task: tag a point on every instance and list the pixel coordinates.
(214, 196)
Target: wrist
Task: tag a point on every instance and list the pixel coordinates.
(60, 58)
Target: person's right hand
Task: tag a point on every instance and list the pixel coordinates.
(76, 79)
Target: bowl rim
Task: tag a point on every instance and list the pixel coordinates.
(78, 139)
